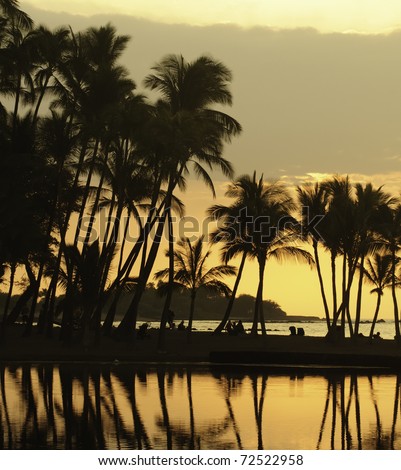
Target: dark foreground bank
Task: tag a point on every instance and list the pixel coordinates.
(206, 347)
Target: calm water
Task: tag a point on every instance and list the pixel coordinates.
(125, 407)
(315, 328)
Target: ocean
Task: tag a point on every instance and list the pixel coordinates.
(311, 328)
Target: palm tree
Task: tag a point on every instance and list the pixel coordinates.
(369, 201)
(389, 229)
(313, 200)
(378, 272)
(10, 9)
(191, 132)
(341, 237)
(263, 211)
(52, 48)
(191, 273)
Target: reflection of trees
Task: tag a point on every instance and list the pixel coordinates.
(343, 409)
(102, 408)
(229, 385)
(397, 406)
(258, 402)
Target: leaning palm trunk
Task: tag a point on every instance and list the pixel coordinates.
(86, 192)
(351, 273)
(145, 230)
(39, 102)
(359, 298)
(49, 312)
(128, 323)
(258, 312)
(372, 329)
(334, 284)
(161, 343)
(191, 315)
(229, 308)
(95, 207)
(394, 295)
(10, 292)
(321, 283)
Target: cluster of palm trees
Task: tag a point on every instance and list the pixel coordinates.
(358, 225)
(77, 139)
(361, 232)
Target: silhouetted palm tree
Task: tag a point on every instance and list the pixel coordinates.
(378, 271)
(191, 133)
(263, 211)
(313, 200)
(191, 274)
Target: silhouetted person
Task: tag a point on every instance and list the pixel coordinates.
(181, 326)
(293, 330)
(377, 335)
(301, 332)
(170, 318)
(239, 328)
(229, 327)
(143, 331)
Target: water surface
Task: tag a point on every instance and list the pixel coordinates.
(129, 407)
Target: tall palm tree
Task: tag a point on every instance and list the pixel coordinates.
(313, 200)
(192, 134)
(52, 49)
(263, 210)
(389, 229)
(191, 273)
(378, 272)
(341, 238)
(369, 201)
(234, 244)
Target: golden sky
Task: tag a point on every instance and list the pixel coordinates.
(368, 16)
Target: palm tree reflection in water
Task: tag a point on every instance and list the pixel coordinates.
(104, 407)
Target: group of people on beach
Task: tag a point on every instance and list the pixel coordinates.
(235, 328)
(170, 322)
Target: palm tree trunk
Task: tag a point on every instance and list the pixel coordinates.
(161, 343)
(372, 329)
(254, 330)
(344, 288)
(125, 232)
(191, 410)
(96, 202)
(21, 302)
(334, 284)
(16, 105)
(86, 191)
(258, 314)
(39, 102)
(164, 408)
(13, 268)
(191, 315)
(49, 313)
(321, 283)
(128, 323)
(227, 313)
(394, 295)
(359, 298)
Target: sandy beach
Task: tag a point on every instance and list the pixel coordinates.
(204, 348)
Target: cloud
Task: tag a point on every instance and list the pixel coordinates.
(308, 102)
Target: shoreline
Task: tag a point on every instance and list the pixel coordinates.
(207, 349)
